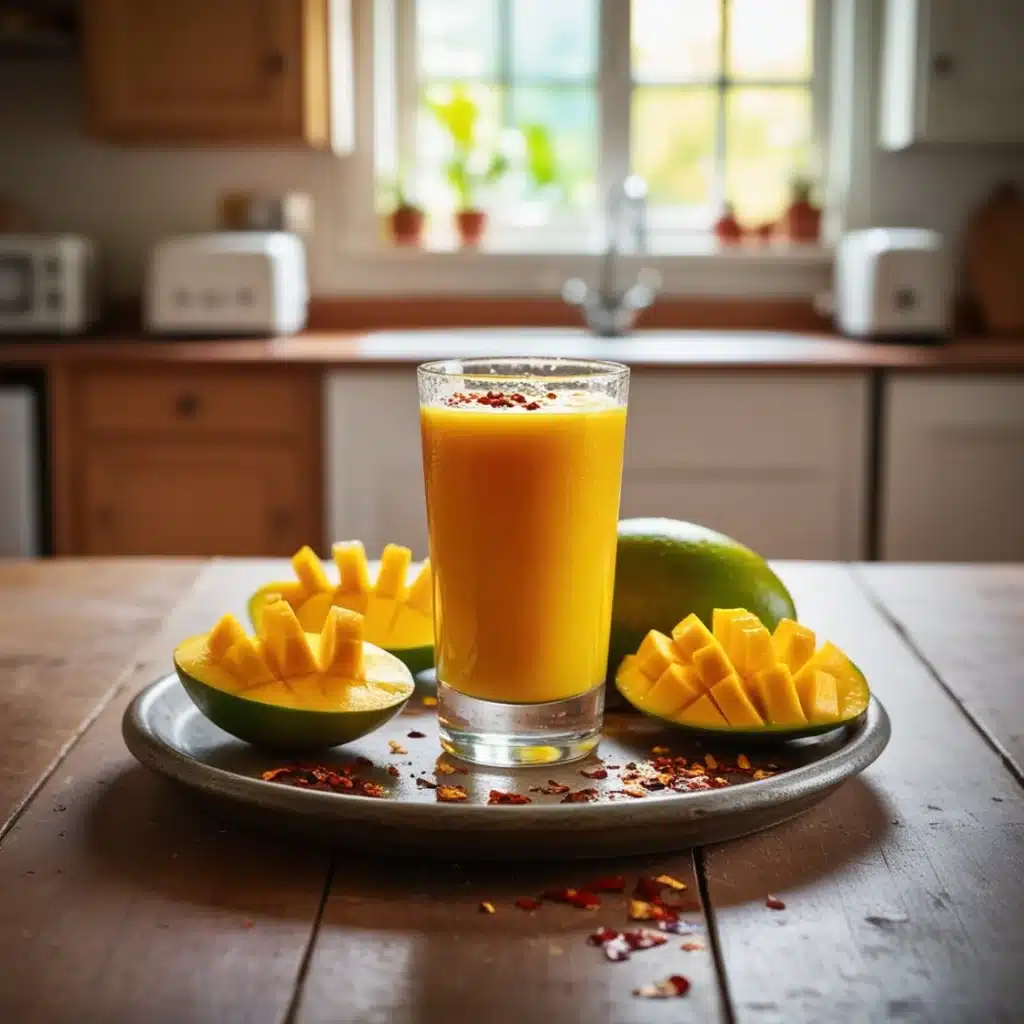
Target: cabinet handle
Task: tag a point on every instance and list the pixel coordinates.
(186, 407)
(275, 63)
(943, 64)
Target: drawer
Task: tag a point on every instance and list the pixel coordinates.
(189, 402)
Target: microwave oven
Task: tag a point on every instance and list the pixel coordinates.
(48, 284)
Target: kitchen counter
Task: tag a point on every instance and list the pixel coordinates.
(127, 900)
(646, 348)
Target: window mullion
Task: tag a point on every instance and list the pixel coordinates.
(504, 60)
(614, 95)
(406, 82)
(718, 189)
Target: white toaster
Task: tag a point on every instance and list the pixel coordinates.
(237, 282)
(892, 282)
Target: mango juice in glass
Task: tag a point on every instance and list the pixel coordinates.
(522, 460)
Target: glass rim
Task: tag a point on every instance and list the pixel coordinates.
(519, 368)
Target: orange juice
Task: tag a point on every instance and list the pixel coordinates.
(523, 508)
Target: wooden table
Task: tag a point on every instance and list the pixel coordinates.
(121, 899)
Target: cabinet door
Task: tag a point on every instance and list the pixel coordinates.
(167, 498)
(778, 462)
(953, 469)
(374, 461)
(192, 69)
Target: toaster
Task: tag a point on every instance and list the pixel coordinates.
(238, 282)
(893, 282)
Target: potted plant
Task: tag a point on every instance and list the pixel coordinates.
(406, 219)
(469, 167)
(802, 220)
(727, 228)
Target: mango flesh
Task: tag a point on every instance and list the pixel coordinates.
(740, 677)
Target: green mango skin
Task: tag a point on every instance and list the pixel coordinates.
(283, 730)
(665, 569)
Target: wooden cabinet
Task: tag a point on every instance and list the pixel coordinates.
(188, 462)
(953, 469)
(777, 461)
(952, 72)
(274, 71)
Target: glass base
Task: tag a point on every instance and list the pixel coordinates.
(515, 735)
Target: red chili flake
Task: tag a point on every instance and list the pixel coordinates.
(371, 789)
(531, 406)
(774, 903)
(392, 770)
(670, 882)
(581, 796)
(743, 762)
(558, 895)
(762, 774)
(606, 883)
(486, 907)
(364, 762)
(425, 783)
(276, 773)
(648, 888)
(444, 768)
(451, 794)
(495, 394)
(415, 734)
(551, 395)
(594, 773)
(527, 903)
(516, 397)
(692, 947)
(711, 762)
(584, 900)
(672, 987)
(496, 796)
(644, 938)
(553, 788)
(602, 935)
(634, 791)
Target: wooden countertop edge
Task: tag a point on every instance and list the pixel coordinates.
(784, 351)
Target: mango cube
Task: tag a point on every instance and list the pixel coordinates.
(230, 647)
(225, 634)
(690, 636)
(733, 702)
(727, 624)
(712, 664)
(631, 680)
(284, 643)
(291, 591)
(341, 644)
(310, 571)
(655, 653)
(354, 575)
(421, 591)
(777, 696)
(794, 644)
(704, 713)
(820, 697)
(754, 650)
(394, 565)
(312, 612)
(676, 687)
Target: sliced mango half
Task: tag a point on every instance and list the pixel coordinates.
(397, 606)
(740, 679)
(291, 689)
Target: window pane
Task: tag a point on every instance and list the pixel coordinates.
(674, 143)
(675, 40)
(457, 39)
(767, 140)
(568, 117)
(770, 38)
(554, 39)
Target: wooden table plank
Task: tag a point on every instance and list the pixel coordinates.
(405, 943)
(903, 889)
(67, 631)
(967, 622)
(125, 901)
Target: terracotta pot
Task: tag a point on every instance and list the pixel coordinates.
(470, 224)
(802, 222)
(728, 229)
(406, 224)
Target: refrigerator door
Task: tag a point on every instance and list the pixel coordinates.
(20, 515)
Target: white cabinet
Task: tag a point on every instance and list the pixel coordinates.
(953, 469)
(777, 461)
(373, 459)
(952, 71)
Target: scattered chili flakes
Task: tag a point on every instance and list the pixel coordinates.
(451, 794)
(648, 888)
(634, 791)
(415, 734)
(774, 903)
(430, 702)
(670, 882)
(692, 947)
(617, 946)
(371, 789)
(392, 770)
(324, 779)
(486, 907)
(527, 903)
(425, 783)
(644, 938)
(607, 883)
(581, 796)
(553, 788)
(711, 762)
(583, 900)
(743, 762)
(444, 768)
(594, 773)
(601, 936)
(396, 747)
(661, 750)
(672, 987)
(762, 774)
(496, 796)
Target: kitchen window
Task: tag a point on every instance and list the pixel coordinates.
(710, 101)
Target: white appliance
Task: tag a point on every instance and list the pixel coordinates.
(21, 516)
(227, 282)
(48, 284)
(893, 282)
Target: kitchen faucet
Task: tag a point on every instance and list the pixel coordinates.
(607, 311)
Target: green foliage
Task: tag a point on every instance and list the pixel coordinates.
(541, 159)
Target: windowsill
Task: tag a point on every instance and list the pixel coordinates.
(687, 265)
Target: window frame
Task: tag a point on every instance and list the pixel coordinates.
(571, 230)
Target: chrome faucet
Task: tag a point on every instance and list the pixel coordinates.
(606, 310)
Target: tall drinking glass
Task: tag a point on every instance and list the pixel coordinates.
(523, 465)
